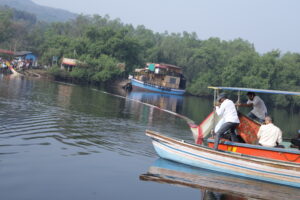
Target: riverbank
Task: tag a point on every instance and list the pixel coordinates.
(44, 73)
(39, 73)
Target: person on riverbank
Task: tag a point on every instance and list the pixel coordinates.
(227, 110)
(259, 111)
(268, 134)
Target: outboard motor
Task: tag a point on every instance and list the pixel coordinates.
(296, 141)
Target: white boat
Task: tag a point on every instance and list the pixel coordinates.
(270, 170)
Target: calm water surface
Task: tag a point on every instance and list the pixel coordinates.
(61, 141)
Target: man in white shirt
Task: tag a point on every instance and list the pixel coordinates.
(268, 134)
(259, 110)
(227, 110)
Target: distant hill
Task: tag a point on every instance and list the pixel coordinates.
(43, 13)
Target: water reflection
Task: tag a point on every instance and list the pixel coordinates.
(77, 120)
(163, 101)
(64, 94)
(214, 185)
(52, 132)
(160, 112)
(197, 109)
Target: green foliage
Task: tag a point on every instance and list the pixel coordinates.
(100, 69)
(5, 25)
(79, 73)
(101, 43)
(57, 72)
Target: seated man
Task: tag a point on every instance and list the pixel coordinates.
(268, 134)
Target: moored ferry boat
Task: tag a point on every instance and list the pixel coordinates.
(162, 78)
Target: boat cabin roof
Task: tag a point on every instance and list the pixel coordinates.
(69, 61)
(165, 66)
(140, 70)
(162, 65)
(256, 90)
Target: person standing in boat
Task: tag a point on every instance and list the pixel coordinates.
(259, 111)
(226, 109)
(268, 134)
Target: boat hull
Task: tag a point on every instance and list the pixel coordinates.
(155, 88)
(226, 162)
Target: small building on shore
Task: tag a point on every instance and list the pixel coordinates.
(27, 57)
(7, 52)
(68, 64)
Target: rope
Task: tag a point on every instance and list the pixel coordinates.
(289, 159)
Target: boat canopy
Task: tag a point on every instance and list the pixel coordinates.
(139, 70)
(256, 90)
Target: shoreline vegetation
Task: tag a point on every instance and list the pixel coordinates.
(63, 76)
(101, 43)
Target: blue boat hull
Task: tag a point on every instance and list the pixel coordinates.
(156, 88)
(226, 162)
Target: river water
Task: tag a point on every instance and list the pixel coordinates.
(63, 141)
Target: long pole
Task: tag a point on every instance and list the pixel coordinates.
(239, 99)
(214, 117)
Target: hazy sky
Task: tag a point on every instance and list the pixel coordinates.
(269, 24)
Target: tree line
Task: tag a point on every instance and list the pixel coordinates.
(101, 43)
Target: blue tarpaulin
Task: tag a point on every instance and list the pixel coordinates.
(151, 67)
